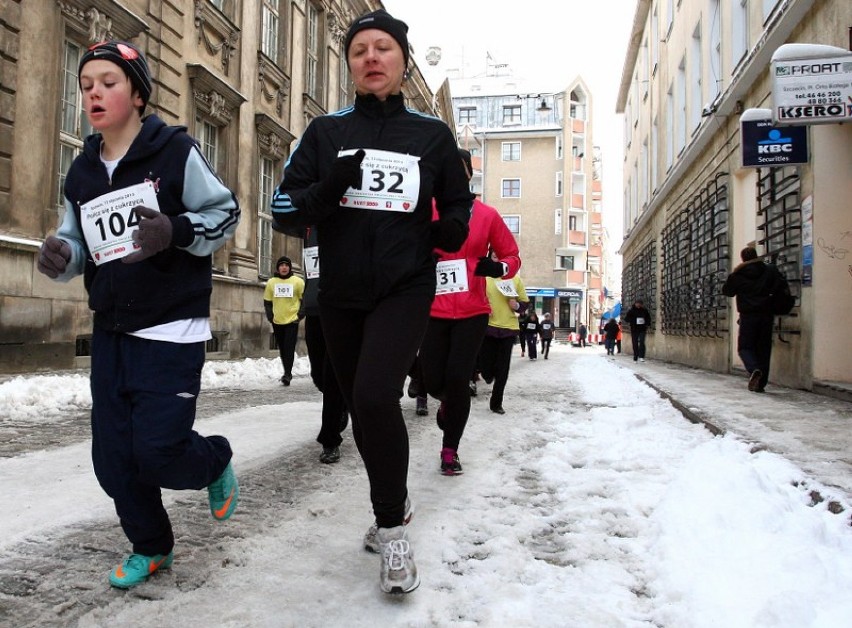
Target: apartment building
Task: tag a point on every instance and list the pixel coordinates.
(245, 77)
(695, 74)
(536, 163)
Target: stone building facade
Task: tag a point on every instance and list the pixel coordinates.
(245, 76)
(695, 70)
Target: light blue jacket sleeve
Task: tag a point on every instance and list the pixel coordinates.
(211, 207)
(72, 234)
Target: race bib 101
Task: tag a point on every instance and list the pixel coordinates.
(389, 182)
(108, 221)
(506, 287)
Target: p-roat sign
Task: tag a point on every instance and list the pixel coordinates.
(811, 84)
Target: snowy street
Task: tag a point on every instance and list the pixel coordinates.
(591, 502)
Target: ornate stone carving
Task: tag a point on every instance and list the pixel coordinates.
(225, 35)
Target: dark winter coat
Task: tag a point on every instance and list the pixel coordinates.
(176, 283)
(752, 283)
(369, 254)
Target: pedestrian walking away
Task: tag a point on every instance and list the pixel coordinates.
(149, 289)
(366, 177)
(459, 317)
(583, 331)
(546, 330)
(753, 282)
(611, 329)
(639, 319)
(507, 298)
(282, 301)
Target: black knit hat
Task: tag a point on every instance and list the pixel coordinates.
(126, 56)
(383, 21)
(283, 260)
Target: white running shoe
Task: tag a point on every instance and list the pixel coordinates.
(398, 572)
(641, 359)
(371, 543)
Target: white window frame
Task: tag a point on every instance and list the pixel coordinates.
(508, 184)
(467, 115)
(73, 124)
(714, 43)
(510, 151)
(680, 109)
(512, 115)
(269, 26)
(696, 78)
(560, 184)
(739, 31)
(266, 187)
(513, 222)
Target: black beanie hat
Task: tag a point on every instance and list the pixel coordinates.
(383, 21)
(126, 56)
(283, 260)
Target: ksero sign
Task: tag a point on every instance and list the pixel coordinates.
(811, 84)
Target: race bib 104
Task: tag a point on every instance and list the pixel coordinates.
(108, 221)
(389, 182)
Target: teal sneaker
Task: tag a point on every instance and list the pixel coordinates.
(223, 494)
(136, 568)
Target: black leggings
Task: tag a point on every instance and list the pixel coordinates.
(286, 336)
(371, 352)
(448, 357)
(333, 407)
(495, 359)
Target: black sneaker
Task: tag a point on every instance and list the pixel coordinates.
(754, 380)
(286, 379)
(450, 464)
(422, 406)
(330, 455)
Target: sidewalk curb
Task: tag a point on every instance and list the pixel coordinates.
(690, 414)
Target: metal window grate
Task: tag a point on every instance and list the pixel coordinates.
(695, 262)
(639, 280)
(780, 232)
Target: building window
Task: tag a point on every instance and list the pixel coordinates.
(669, 17)
(680, 109)
(739, 30)
(557, 219)
(655, 41)
(511, 114)
(467, 115)
(696, 98)
(313, 54)
(559, 184)
(511, 151)
(513, 222)
(715, 50)
(655, 135)
(566, 262)
(668, 126)
(511, 188)
(73, 125)
(560, 149)
(344, 94)
(208, 137)
(572, 223)
(269, 29)
(266, 187)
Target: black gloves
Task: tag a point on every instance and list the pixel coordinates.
(53, 257)
(487, 267)
(345, 173)
(153, 235)
(448, 234)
